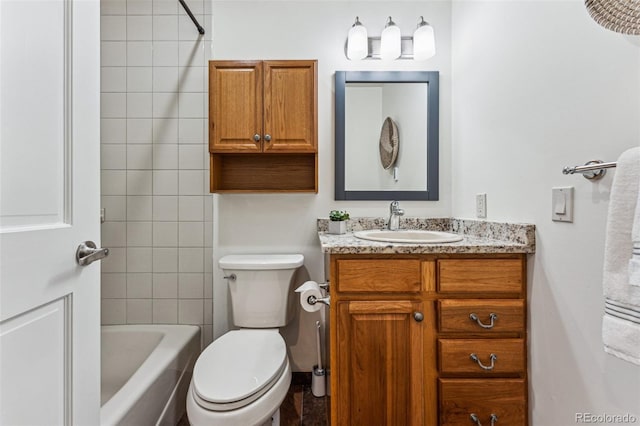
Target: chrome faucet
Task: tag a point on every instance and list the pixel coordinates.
(394, 216)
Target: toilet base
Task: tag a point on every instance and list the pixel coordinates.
(264, 411)
(274, 420)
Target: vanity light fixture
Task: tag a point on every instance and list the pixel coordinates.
(357, 41)
(390, 45)
(424, 43)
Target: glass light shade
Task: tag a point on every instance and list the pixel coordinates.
(357, 42)
(424, 42)
(390, 42)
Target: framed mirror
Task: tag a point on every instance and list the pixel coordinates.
(386, 135)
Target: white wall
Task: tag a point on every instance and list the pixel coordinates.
(537, 86)
(287, 222)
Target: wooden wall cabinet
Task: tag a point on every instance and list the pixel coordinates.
(412, 339)
(263, 126)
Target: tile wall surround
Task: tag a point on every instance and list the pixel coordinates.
(154, 164)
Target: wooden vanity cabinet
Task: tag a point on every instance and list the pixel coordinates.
(428, 339)
(263, 126)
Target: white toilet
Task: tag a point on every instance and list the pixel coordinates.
(242, 377)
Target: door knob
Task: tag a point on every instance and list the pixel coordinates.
(418, 316)
(88, 253)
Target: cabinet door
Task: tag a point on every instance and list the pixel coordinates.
(235, 106)
(290, 104)
(380, 363)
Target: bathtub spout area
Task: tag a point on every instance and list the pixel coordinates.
(146, 370)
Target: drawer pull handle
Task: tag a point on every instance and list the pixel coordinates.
(492, 357)
(492, 317)
(474, 418)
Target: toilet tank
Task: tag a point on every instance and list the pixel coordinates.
(262, 291)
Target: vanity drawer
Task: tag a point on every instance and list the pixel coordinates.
(481, 316)
(455, 356)
(504, 398)
(481, 276)
(374, 275)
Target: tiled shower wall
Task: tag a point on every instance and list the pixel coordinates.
(154, 164)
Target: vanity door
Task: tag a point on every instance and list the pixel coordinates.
(379, 362)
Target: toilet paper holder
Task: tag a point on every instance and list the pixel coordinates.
(311, 294)
(312, 300)
(324, 300)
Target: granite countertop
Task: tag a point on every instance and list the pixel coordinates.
(478, 237)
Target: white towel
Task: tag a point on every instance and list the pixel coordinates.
(634, 263)
(621, 321)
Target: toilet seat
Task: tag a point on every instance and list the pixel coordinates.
(238, 368)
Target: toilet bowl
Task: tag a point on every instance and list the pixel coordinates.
(242, 377)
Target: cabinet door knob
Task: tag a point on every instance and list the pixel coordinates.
(256, 137)
(267, 137)
(418, 316)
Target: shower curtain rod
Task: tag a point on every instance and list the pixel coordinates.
(193, 18)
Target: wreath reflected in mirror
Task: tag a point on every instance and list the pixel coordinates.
(389, 143)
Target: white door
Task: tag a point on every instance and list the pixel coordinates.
(49, 204)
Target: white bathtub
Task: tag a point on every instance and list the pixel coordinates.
(146, 370)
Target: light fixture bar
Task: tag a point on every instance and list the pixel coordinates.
(406, 43)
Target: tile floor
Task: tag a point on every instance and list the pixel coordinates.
(300, 407)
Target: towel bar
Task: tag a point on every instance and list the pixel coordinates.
(592, 170)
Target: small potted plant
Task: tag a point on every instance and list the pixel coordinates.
(338, 221)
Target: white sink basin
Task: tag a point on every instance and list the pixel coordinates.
(408, 236)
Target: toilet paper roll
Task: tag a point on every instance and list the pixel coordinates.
(310, 288)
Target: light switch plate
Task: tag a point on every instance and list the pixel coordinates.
(562, 204)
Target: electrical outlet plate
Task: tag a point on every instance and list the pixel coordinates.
(481, 206)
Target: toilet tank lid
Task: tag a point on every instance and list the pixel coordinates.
(261, 261)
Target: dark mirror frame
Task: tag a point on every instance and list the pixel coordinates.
(431, 121)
